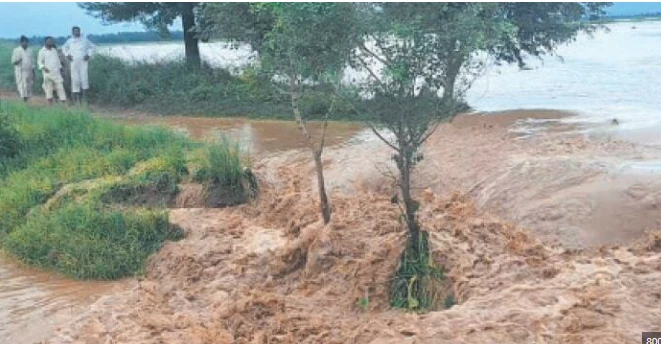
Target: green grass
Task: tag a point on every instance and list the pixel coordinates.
(91, 241)
(220, 168)
(170, 88)
(220, 164)
(86, 196)
(417, 280)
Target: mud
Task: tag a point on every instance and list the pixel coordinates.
(271, 273)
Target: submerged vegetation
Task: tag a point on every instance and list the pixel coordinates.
(87, 197)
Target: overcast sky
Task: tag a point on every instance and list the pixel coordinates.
(53, 19)
(57, 18)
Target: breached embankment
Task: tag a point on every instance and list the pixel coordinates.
(270, 273)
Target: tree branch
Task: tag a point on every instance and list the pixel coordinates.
(323, 130)
(374, 55)
(297, 113)
(376, 132)
(366, 66)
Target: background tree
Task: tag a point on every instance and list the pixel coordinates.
(154, 15)
(307, 48)
(236, 22)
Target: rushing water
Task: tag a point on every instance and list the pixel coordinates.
(611, 75)
(33, 301)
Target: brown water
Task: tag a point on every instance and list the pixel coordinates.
(529, 179)
(33, 302)
(256, 137)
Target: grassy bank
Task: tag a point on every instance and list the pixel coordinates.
(88, 197)
(169, 88)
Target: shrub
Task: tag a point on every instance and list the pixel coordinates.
(222, 170)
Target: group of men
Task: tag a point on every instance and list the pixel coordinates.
(77, 50)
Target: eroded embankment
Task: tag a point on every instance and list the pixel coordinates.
(561, 185)
(270, 273)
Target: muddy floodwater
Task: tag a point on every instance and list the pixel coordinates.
(255, 137)
(598, 189)
(32, 302)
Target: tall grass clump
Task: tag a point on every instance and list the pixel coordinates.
(222, 169)
(91, 241)
(88, 197)
(416, 285)
(221, 164)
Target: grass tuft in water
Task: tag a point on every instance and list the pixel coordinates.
(416, 285)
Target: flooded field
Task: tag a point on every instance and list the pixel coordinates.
(33, 302)
(538, 171)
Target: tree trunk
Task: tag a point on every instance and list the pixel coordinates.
(316, 153)
(405, 165)
(323, 199)
(191, 41)
(451, 75)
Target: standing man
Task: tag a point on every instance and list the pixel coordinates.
(23, 62)
(78, 50)
(51, 65)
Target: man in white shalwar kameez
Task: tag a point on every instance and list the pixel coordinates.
(23, 62)
(78, 50)
(49, 62)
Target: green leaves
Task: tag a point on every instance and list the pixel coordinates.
(308, 40)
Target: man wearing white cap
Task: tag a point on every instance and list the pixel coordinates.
(78, 50)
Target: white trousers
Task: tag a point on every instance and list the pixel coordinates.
(79, 78)
(54, 83)
(24, 81)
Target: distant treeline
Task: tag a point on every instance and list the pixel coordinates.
(635, 16)
(120, 37)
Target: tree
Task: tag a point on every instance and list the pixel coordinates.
(412, 54)
(542, 26)
(154, 15)
(237, 22)
(513, 29)
(306, 48)
(405, 74)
